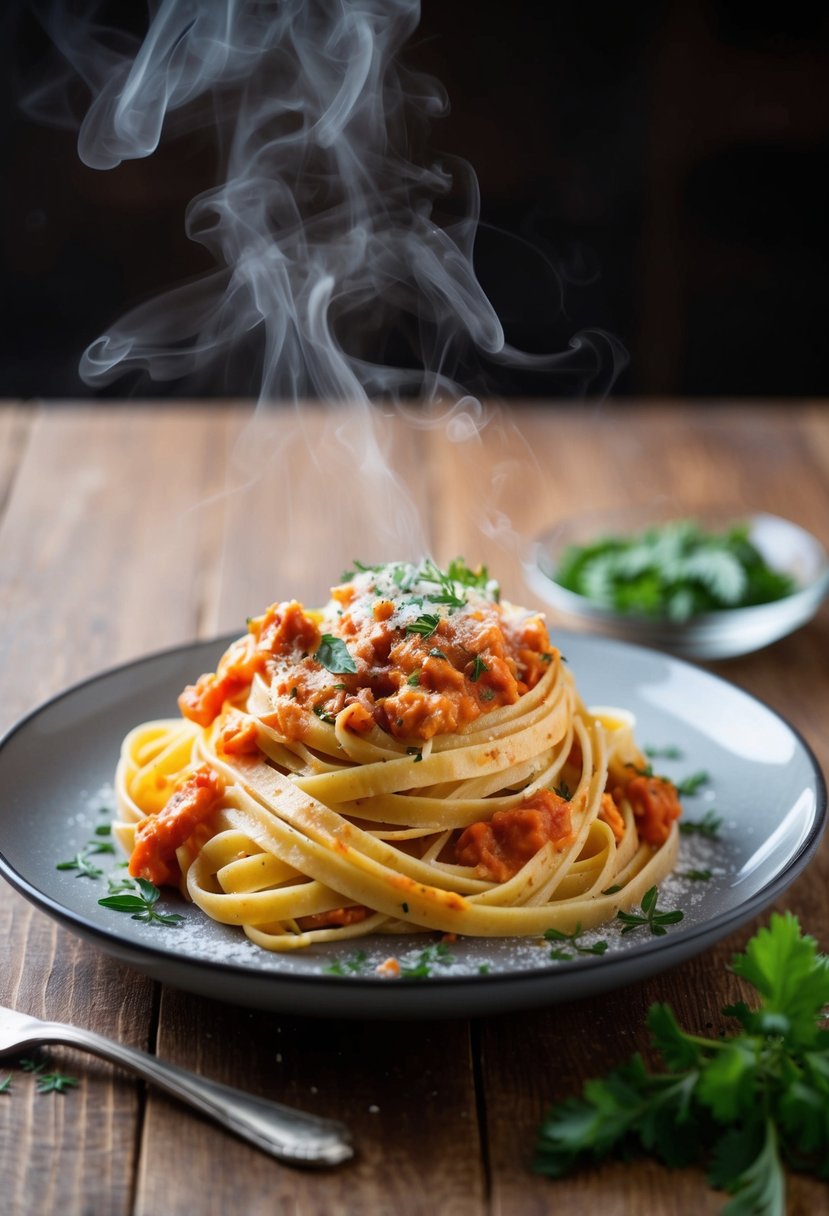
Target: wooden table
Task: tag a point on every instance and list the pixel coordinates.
(127, 528)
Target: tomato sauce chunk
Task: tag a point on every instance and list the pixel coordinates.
(655, 804)
(335, 918)
(158, 837)
(497, 849)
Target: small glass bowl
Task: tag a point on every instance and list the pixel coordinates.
(712, 635)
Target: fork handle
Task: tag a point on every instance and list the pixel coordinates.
(289, 1135)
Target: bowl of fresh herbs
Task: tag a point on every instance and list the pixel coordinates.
(705, 585)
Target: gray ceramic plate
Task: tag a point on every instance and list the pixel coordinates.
(763, 785)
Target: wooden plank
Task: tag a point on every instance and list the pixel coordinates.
(15, 422)
(73, 1151)
(74, 520)
(403, 1089)
(294, 518)
(752, 459)
(112, 511)
(111, 515)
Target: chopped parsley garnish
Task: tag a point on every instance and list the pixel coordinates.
(413, 679)
(421, 967)
(332, 653)
(676, 570)
(438, 654)
(425, 625)
(448, 593)
(323, 714)
(360, 568)
(348, 966)
(81, 862)
(478, 668)
(573, 942)
(670, 752)
(691, 785)
(709, 826)
(459, 572)
(55, 1082)
(417, 752)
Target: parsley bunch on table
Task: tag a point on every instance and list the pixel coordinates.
(674, 570)
(745, 1106)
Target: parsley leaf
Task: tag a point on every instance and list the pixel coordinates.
(333, 654)
(744, 1106)
(354, 965)
(478, 668)
(425, 625)
(421, 966)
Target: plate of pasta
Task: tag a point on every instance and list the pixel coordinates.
(412, 802)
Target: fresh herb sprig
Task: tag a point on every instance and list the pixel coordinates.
(140, 903)
(708, 827)
(570, 944)
(55, 1082)
(652, 916)
(687, 787)
(48, 1082)
(81, 861)
(744, 1106)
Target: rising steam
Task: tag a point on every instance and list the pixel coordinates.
(332, 271)
(323, 229)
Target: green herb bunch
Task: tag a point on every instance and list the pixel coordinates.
(675, 570)
(745, 1106)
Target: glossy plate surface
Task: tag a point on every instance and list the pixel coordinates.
(763, 784)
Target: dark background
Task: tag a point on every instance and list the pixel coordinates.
(668, 159)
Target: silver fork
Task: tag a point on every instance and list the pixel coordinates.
(289, 1135)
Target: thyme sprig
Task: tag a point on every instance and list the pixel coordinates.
(652, 917)
(141, 903)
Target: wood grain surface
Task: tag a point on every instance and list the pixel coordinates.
(128, 528)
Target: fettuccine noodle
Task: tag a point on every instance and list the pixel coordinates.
(414, 757)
